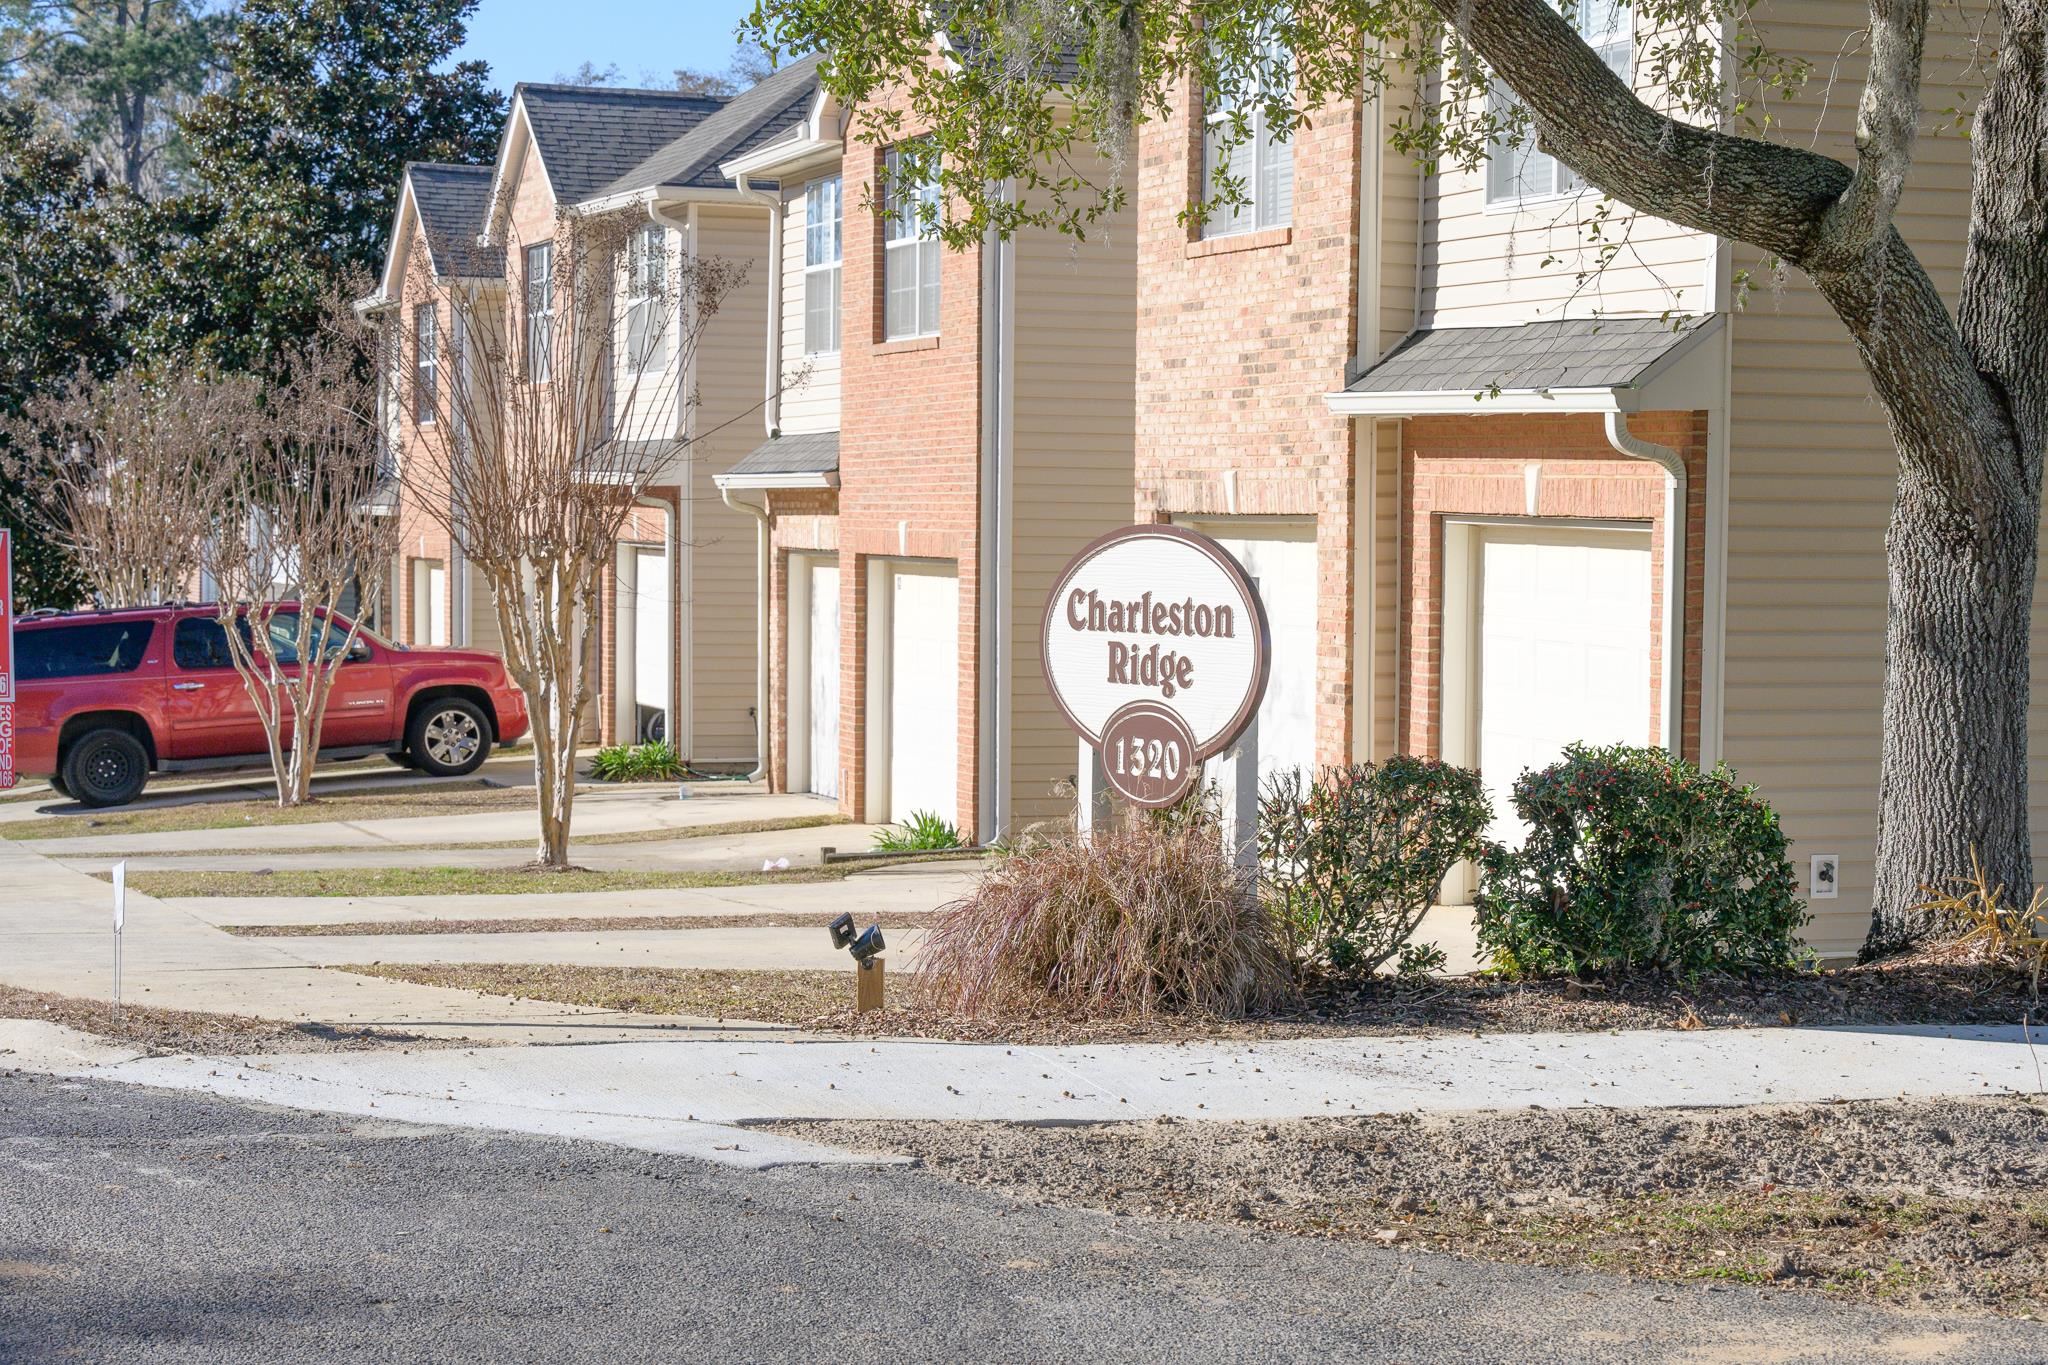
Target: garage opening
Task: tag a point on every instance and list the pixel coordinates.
(813, 651)
(914, 688)
(1547, 642)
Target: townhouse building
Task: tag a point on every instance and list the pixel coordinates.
(1504, 488)
(677, 631)
(950, 427)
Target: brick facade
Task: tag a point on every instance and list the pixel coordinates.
(1480, 466)
(1239, 339)
(910, 461)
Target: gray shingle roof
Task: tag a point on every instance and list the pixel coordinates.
(813, 452)
(590, 135)
(452, 201)
(767, 111)
(1573, 353)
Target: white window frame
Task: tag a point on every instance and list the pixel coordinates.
(426, 362)
(1534, 175)
(1270, 186)
(824, 253)
(909, 245)
(646, 324)
(540, 311)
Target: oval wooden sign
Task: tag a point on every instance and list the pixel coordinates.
(1163, 616)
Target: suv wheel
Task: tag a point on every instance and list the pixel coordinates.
(105, 768)
(449, 737)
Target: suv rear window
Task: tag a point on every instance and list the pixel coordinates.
(80, 651)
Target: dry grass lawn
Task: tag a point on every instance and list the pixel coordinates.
(397, 802)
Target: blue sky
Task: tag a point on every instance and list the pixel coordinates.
(527, 40)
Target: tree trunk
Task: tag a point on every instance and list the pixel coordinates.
(554, 781)
(1953, 784)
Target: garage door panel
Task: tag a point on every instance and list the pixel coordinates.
(822, 686)
(924, 689)
(1564, 652)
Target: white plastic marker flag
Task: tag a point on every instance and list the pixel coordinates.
(120, 920)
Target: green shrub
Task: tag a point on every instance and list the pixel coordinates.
(1354, 857)
(1143, 917)
(923, 832)
(652, 762)
(1638, 860)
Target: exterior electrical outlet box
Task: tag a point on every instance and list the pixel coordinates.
(1824, 881)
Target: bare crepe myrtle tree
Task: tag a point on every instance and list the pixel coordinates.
(303, 533)
(1028, 83)
(125, 470)
(540, 416)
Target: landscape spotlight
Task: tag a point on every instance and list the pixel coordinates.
(867, 945)
(842, 932)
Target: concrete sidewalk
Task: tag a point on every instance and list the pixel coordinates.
(683, 853)
(611, 812)
(56, 934)
(662, 1092)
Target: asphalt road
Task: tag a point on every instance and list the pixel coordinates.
(144, 1225)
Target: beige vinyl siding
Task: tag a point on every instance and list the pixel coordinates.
(1399, 250)
(1074, 420)
(1811, 479)
(483, 612)
(722, 597)
(1489, 264)
(1385, 452)
(810, 402)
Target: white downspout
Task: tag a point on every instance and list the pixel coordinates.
(759, 512)
(1673, 635)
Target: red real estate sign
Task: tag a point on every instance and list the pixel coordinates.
(6, 662)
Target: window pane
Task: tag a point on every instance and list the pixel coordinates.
(821, 309)
(80, 651)
(928, 285)
(899, 285)
(1276, 182)
(200, 643)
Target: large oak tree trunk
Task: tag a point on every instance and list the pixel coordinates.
(1953, 785)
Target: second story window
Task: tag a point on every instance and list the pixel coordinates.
(426, 363)
(646, 321)
(540, 312)
(910, 253)
(1253, 158)
(1522, 172)
(822, 220)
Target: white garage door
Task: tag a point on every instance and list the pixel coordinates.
(651, 654)
(1564, 651)
(821, 688)
(924, 683)
(1284, 568)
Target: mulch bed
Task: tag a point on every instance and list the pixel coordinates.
(1900, 992)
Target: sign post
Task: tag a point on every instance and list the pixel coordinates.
(7, 777)
(120, 922)
(1156, 650)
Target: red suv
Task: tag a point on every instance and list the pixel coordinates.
(104, 698)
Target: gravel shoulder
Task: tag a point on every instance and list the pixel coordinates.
(1927, 1204)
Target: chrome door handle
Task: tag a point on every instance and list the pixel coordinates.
(186, 687)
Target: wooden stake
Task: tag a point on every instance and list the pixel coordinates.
(867, 993)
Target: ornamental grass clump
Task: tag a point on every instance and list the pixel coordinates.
(1140, 918)
(1634, 861)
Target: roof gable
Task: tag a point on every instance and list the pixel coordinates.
(760, 114)
(452, 203)
(590, 135)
